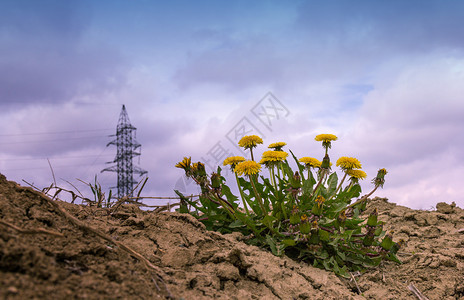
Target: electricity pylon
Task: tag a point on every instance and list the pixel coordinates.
(126, 149)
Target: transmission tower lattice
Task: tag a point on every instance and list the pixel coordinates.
(126, 149)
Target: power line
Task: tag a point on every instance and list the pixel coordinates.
(56, 132)
(46, 167)
(54, 158)
(55, 140)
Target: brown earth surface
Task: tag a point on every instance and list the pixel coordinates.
(54, 249)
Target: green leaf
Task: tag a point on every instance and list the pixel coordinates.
(229, 195)
(308, 186)
(272, 244)
(268, 220)
(323, 255)
(289, 242)
(324, 235)
(394, 258)
(332, 184)
(192, 203)
(287, 169)
(301, 168)
(354, 192)
(341, 255)
(236, 224)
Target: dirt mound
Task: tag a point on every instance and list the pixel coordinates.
(81, 252)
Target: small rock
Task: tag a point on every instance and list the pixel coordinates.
(420, 219)
(434, 264)
(227, 271)
(431, 219)
(448, 262)
(397, 212)
(405, 229)
(12, 290)
(459, 253)
(411, 216)
(135, 222)
(445, 208)
(431, 232)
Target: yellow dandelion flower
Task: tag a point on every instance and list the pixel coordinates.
(196, 165)
(274, 155)
(348, 163)
(326, 138)
(304, 218)
(310, 162)
(233, 161)
(250, 141)
(314, 224)
(185, 163)
(277, 146)
(248, 167)
(320, 200)
(358, 174)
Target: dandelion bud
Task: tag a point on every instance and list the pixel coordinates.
(372, 221)
(294, 217)
(314, 239)
(368, 239)
(314, 225)
(387, 242)
(379, 180)
(341, 218)
(295, 182)
(215, 181)
(397, 246)
(317, 207)
(305, 226)
(199, 169)
(326, 162)
(378, 230)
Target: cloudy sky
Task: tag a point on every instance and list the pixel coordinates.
(387, 77)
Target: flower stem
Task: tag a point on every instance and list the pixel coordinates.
(225, 204)
(273, 177)
(251, 151)
(258, 197)
(242, 195)
(349, 187)
(364, 197)
(278, 173)
(282, 168)
(323, 172)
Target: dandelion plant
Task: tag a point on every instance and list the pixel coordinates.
(307, 214)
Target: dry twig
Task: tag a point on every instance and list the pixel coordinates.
(31, 231)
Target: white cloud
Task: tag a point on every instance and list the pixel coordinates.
(411, 124)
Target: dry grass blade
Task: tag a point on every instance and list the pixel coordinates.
(416, 292)
(53, 173)
(355, 282)
(31, 231)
